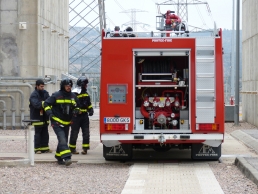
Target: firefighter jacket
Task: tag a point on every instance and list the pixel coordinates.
(61, 106)
(85, 103)
(36, 110)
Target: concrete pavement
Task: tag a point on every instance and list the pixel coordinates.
(248, 165)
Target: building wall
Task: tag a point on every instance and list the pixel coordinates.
(39, 50)
(53, 34)
(250, 61)
(9, 51)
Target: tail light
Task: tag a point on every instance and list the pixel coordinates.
(207, 127)
(116, 127)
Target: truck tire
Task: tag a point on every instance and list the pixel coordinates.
(122, 152)
(205, 152)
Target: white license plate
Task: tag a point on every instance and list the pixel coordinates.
(116, 120)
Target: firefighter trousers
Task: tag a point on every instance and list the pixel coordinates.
(81, 121)
(41, 138)
(62, 150)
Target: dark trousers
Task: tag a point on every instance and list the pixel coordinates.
(62, 150)
(41, 138)
(81, 121)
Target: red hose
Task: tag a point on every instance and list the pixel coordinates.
(144, 112)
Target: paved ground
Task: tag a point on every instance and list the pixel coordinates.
(151, 167)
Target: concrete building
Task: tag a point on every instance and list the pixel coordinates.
(250, 62)
(33, 44)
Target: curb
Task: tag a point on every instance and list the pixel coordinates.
(13, 163)
(248, 170)
(245, 138)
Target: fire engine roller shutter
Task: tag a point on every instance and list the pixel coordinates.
(205, 80)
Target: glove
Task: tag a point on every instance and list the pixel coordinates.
(91, 111)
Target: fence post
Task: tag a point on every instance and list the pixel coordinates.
(31, 144)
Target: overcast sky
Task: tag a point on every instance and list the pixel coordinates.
(198, 15)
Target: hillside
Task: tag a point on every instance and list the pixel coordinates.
(84, 52)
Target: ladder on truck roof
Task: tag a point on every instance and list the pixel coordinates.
(205, 80)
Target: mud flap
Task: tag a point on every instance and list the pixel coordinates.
(205, 152)
(118, 152)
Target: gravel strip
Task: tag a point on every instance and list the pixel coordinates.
(232, 180)
(53, 178)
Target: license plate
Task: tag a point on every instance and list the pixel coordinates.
(117, 120)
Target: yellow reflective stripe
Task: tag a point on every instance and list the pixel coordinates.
(36, 149)
(82, 95)
(47, 108)
(65, 152)
(85, 145)
(90, 106)
(83, 110)
(38, 123)
(61, 121)
(72, 146)
(65, 101)
(44, 148)
(58, 154)
(42, 104)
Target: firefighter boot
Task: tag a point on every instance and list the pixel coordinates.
(48, 151)
(84, 151)
(60, 162)
(74, 151)
(68, 161)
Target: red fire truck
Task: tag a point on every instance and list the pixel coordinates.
(161, 91)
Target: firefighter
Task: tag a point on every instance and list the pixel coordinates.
(60, 107)
(172, 20)
(116, 32)
(41, 137)
(127, 32)
(82, 119)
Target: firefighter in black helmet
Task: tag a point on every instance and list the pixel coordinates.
(60, 107)
(41, 137)
(82, 119)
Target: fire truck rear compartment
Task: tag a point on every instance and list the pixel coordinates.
(162, 94)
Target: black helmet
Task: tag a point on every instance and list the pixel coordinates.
(64, 82)
(128, 29)
(117, 28)
(82, 81)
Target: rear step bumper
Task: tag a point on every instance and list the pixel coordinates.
(213, 140)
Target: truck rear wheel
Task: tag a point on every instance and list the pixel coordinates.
(121, 152)
(205, 152)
